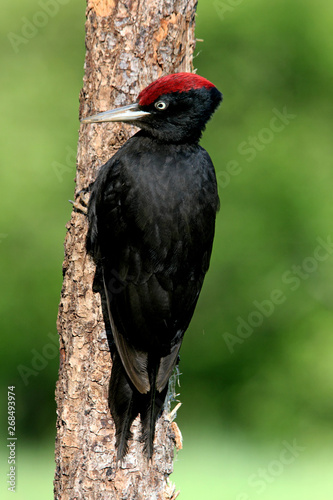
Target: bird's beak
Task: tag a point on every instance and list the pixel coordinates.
(129, 113)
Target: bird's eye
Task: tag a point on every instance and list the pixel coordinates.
(160, 105)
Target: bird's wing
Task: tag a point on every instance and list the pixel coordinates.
(106, 193)
(134, 361)
(166, 367)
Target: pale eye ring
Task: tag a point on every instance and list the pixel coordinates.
(160, 105)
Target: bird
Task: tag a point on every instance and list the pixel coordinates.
(151, 223)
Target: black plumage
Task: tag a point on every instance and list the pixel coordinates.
(151, 226)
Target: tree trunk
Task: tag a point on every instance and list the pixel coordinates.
(129, 44)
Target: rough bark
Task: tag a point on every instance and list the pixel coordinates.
(129, 44)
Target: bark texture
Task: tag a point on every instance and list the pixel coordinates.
(129, 44)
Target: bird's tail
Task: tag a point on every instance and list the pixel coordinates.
(151, 405)
(123, 402)
(126, 403)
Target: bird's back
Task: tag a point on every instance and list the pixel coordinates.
(155, 227)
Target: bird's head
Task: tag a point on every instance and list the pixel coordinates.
(174, 108)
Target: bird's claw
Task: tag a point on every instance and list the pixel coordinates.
(81, 202)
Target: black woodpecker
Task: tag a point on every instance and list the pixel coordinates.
(151, 220)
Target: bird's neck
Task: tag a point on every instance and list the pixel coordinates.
(176, 137)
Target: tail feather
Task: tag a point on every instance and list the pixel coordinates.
(126, 403)
(151, 405)
(123, 405)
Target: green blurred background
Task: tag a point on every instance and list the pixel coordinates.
(257, 362)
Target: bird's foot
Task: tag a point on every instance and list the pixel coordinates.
(81, 202)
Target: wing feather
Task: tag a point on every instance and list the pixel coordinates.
(166, 366)
(134, 361)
